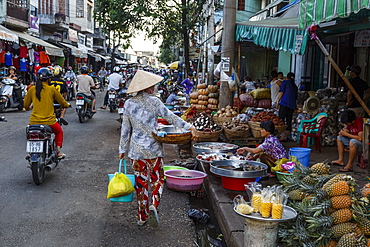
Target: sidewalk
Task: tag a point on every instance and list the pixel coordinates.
(232, 225)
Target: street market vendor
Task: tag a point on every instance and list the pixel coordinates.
(139, 121)
(270, 150)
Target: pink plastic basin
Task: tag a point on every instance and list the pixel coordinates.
(184, 180)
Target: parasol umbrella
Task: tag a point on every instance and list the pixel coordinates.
(174, 65)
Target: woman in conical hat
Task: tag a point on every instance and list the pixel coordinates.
(139, 121)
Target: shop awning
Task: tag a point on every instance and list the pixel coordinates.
(318, 11)
(278, 34)
(262, 14)
(50, 49)
(75, 51)
(6, 34)
(97, 56)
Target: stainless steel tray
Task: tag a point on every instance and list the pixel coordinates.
(171, 130)
(288, 214)
(214, 147)
(218, 167)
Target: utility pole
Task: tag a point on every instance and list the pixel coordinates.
(228, 52)
(211, 42)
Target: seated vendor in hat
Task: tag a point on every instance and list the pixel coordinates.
(270, 150)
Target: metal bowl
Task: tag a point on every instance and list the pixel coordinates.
(214, 147)
(226, 168)
(288, 214)
(172, 130)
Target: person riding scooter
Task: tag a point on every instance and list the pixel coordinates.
(42, 97)
(85, 83)
(115, 81)
(61, 86)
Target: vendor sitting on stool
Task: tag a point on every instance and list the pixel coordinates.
(350, 136)
(270, 150)
(172, 99)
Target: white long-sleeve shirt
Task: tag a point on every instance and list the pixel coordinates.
(140, 118)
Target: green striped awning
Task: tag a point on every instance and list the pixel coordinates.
(318, 11)
(278, 34)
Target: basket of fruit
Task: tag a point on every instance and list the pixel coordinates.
(281, 176)
(172, 135)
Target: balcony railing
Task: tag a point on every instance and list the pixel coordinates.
(17, 9)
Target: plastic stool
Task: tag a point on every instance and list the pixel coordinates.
(361, 161)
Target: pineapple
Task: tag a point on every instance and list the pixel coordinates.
(368, 242)
(347, 240)
(320, 168)
(341, 215)
(297, 195)
(337, 189)
(332, 243)
(256, 202)
(365, 191)
(310, 179)
(265, 209)
(336, 178)
(244, 208)
(343, 228)
(364, 224)
(277, 211)
(339, 202)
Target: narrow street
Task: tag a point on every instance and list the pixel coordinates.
(70, 208)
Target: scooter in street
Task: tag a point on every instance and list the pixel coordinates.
(8, 98)
(83, 107)
(70, 89)
(41, 148)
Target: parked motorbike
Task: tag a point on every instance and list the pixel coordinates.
(70, 89)
(83, 107)
(41, 148)
(121, 102)
(112, 100)
(8, 99)
(163, 91)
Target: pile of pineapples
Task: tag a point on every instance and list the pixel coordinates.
(330, 212)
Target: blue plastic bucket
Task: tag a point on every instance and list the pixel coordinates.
(129, 197)
(302, 154)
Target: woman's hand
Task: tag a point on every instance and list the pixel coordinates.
(194, 133)
(241, 150)
(121, 156)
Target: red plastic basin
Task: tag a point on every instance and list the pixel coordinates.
(235, 183)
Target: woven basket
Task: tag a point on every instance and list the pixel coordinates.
(208, 136)
(236, 134)
(255, 129)
(221, 120)
(281, 175)
(280, 129)
(174, 138)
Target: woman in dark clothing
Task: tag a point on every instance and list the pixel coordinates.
(287, 99)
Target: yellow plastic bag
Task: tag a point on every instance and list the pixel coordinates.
(261, 93)
(119, 185)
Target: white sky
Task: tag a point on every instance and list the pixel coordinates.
(139, 43)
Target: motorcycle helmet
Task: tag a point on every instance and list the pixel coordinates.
(44, 73)
(57, 70)
(116, 69)
(69, 69)
(84, 70)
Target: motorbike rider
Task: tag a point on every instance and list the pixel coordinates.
(85, 83)
(70, 74)
(61, 86)
(17, 88)
(42, 97)
(115, 81)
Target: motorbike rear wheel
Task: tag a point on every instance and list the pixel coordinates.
(2, 107)
(38, 171)
(111, 107)
(82, 114)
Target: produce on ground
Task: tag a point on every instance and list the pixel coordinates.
(228, 111)
(203, 122)
(235, 124)
(267, 116)
(205, 98)
(330, 212)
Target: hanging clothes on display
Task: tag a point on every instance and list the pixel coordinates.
(2, 57)
(36, 68)
(31, 55)
(44, 58)
(23, 64)
(8, 59)
(37, 56)
(16, 61)
(23, 52)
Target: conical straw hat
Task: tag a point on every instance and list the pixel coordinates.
(143, 80)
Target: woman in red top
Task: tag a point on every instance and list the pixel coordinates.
(350, 136)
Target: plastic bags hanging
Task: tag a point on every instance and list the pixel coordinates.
(119, 185)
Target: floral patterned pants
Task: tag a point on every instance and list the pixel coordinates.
(148, 170)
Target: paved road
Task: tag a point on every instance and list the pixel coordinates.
(70, 208)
